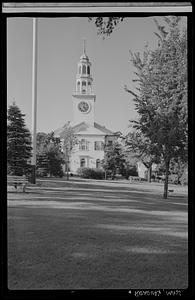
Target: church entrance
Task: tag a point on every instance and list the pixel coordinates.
(82, 163)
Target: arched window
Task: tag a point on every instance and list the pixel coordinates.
(82, 162)
(83, 87)
(88, 70)
(98, 163)
(84, 69)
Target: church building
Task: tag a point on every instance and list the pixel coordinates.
(91, 136)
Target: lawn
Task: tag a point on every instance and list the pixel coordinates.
(86, 234)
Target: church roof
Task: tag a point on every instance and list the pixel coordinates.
(104, 129)
(83, 128)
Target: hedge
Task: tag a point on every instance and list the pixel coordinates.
(91, 173)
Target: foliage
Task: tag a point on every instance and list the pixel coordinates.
(91, 173)
(42, 164)
(68, 138)
(161, 102)
(178, 167)
(105, 25)
(68, 141)
(129, 170)
(49, 156)
(18, 142)
(114, 159)
(54, 162)
(143, 149)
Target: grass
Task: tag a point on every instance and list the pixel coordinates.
(86, 234)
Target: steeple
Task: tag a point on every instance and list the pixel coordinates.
(84, 46)
(83, 78)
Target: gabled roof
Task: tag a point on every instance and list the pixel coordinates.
(104, 129)
(84, 128)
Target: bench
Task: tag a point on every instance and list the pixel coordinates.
(17, 181)
(170, 191)
(134, 178)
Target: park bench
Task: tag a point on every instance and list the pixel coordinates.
(134, 178)
(17, 181)
(170, 191)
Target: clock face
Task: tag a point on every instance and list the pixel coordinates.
(83, 107)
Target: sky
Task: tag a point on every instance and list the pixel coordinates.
(60, 45)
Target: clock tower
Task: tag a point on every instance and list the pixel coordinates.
(83, 97)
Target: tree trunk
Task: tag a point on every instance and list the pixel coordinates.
(149, 173)
(165, 195)
(67, 171)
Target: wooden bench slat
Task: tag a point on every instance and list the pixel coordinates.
(17, 180)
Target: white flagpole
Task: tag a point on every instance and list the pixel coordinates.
(34, 98)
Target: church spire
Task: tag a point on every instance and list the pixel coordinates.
(84, 78)
(84, 46)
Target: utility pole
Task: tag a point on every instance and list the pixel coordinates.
(34, 98)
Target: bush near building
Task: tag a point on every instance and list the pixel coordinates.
(91, 173)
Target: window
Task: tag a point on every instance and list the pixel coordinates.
(78, 85)
(88, 70)
(98, 163)
(82, 162)
(84, 69)
(98, 145)
(84, 145)
(83, 87)
(79, 69)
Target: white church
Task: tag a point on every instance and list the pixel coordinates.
(91, 136)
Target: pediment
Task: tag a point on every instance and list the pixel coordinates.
(84, 128)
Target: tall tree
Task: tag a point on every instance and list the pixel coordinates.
(68, 141)
(18, 142)
(161, 102)
(114, 159)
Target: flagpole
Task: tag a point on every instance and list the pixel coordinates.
(34, 98)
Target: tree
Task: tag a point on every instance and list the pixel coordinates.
(68, 141)
(143, 150)
(114, 159)
(161, 101)
(49, 156)
(18, 142)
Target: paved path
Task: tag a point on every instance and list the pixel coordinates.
(91, 234)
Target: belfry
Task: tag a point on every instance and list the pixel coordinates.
(92, 136)
(83, 97)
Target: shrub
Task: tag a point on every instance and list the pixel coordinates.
(129, 171)
(184, 179)
(90, 173)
